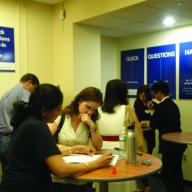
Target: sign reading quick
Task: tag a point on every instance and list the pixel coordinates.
(7, 52)
(132, 69)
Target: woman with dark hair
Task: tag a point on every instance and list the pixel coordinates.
(115, 94)
(112, 113)
(115, 114)
(33, 153)
(79, 133)
(144, 108)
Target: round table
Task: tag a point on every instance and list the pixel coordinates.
(182, 138)
(124, 170)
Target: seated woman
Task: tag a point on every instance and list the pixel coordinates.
(64, 149)
(33, 153)
(79, 133)
(115, 114)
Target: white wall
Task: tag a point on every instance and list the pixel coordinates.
(87, 62)
(109, 61)
(9, 16)
(65, 45)
(33, 30)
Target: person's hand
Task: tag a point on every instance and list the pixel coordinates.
(150, 105)
(144, 124)
(91, 150)
(87, 119)
(82, 149)
(103, 160)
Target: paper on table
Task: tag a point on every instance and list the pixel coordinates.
(87, 158)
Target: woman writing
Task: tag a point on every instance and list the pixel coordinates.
(33, 153)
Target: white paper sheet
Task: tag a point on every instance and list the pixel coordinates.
(87, 158)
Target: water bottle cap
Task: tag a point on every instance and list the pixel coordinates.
(123, 129)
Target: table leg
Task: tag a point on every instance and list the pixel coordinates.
(103, 187)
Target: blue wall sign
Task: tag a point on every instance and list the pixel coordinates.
(7, 50)
(185, 70)
(161, 65)
(132, 69)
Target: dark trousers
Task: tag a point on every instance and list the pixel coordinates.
(4, 145)
(171, 172)
(145, 180)
(61, 187)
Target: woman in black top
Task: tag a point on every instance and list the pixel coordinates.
(143, 107)
(33, 153)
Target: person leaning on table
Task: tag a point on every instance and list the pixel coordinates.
(33, 153)
(76, 132)
(79, 124)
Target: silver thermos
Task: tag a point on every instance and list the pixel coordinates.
(131, 144)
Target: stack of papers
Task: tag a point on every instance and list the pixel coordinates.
(87, 158)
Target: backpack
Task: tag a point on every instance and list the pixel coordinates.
(60, 125)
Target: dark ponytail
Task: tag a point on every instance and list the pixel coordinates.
(20, 110)
(45, 96)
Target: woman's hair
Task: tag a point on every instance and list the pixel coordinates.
(115, 94)
(46, 96)
(144, 89)
(87, 94)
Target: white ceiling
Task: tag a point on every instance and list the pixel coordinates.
(51, 2)
(142, 18)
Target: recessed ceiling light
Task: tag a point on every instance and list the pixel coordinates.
(180, 3)
(168, 21)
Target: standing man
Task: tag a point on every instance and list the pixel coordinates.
(28, 83)
(167, 120)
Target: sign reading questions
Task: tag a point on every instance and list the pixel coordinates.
(185, 69)
(161, 65)
(7, 53)
(132, 69)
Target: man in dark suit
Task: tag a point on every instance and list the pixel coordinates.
(167, 120)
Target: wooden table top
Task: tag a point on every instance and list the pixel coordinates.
(124, 171)
(184, 138)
